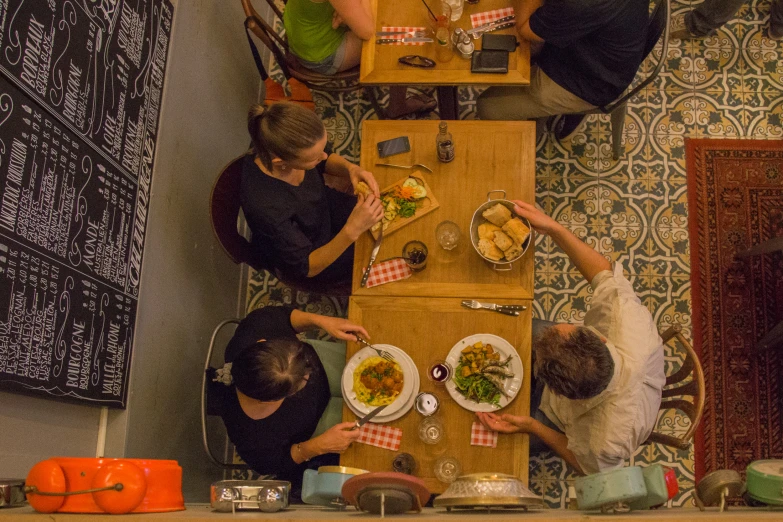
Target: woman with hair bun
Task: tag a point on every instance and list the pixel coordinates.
(276, 391)
(302, 230)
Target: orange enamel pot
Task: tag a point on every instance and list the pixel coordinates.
(124, 485)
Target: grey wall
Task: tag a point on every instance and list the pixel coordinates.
(33, 429)
(188, 284)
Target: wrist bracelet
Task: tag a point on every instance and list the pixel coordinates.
(301, 453)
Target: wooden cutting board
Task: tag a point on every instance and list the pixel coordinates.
(428, 204)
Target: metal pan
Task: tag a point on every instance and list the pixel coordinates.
(478, 219)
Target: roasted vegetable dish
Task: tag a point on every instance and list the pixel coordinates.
(480, 374)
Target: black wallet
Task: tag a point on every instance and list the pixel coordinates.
(499, 42)
(489, 62)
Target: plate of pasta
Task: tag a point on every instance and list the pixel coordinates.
(369, 381)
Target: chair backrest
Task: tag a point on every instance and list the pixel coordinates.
(224, 208)
(657, 27)
(687, 381)
(207, 400)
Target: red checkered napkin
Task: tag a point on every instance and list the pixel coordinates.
(401, 36)
(384, 437)
(388, 271)
(482, 436)
(490, 16)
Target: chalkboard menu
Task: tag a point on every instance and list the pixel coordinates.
(80, 93)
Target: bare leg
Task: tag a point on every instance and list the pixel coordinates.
(353, 52)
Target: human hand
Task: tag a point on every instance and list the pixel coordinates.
(505, 423)
(538, 220)
(337, 438)
(337, 20)
(340, 328)
(367, 212)
(358, 174)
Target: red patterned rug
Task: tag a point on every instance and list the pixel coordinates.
(735, 196)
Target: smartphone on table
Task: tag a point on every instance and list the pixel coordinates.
(393, 146)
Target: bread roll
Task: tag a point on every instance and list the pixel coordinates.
(517, 230)
(497, 214)
(489, 250)
(487, 231)
(502, 241)
(513, 251)
(362, 188)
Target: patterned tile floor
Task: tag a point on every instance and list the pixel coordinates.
(634, 211)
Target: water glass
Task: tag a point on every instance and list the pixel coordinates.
(447, 469)
(456, 9)
(430, 430)
(447, 233)
(415, 255)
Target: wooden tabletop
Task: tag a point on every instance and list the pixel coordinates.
(489, 156)
(379, 63)
(427, 329)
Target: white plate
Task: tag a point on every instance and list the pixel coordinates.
(381, 418)
(512, 385)
(408, 370)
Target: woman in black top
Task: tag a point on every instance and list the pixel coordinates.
(280, 391)
(301, 228)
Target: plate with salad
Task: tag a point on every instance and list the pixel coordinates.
(406, 200)
(487, 373)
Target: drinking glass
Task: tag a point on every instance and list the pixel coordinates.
(430, 430)
(415, 254)
(447, 233)
(447, 469)
(456, 9)
(442, 12)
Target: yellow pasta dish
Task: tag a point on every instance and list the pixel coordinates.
(377, 382)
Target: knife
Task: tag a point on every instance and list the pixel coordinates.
(392, 33)
(373, 255)
(367, 418)
(476, 32)
(382, 41)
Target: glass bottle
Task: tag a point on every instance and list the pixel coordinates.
(444, 143)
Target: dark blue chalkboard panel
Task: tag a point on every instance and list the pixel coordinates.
(80, 92)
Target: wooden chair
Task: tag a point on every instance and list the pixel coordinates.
(278, 45)
(224, 208)
(674, 390)
(658, 26)
(209, 407)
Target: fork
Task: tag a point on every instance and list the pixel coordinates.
(383, 353)
(503, 309)
(415, 165)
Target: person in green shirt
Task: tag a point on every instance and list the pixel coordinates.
(326, 37)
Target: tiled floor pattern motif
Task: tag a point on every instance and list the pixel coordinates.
(634, 211)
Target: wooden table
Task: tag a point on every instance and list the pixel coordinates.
(489, 156)
(427, 329)
(379, 63)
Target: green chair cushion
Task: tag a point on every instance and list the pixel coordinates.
(332, 356)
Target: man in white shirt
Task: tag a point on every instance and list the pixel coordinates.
(599, 384)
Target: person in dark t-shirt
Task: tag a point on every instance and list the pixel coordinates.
(302, 230)
(278, 391)
(588, 54)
